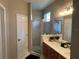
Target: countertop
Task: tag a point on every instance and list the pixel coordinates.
(65, 52)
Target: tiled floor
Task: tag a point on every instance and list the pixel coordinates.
(32, 57)
(28, 53)
(42, 57)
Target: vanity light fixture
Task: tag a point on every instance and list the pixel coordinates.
(67, 11)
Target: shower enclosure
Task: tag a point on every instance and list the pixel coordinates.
(36, 37)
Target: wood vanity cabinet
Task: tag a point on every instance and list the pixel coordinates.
(53, 54)
(60, 57)
(50, 53)
(46, 51)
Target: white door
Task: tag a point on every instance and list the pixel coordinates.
(22, 35)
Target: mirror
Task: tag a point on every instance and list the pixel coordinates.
(63, 25)
(57, 25)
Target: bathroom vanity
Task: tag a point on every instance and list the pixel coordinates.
(53, 50)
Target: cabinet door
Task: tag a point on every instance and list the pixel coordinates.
(53, 54)
(45, 51)
(50, 53)
(60, 57)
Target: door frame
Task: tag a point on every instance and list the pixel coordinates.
(5, 26)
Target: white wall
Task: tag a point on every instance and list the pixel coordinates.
(67, 28)
(13, 7)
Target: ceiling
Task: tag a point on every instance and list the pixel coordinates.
(40, 4)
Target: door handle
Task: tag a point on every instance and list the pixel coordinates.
(19, 39)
